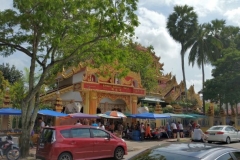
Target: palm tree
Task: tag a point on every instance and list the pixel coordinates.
(181, 25)
(203, 45)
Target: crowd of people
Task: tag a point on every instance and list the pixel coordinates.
(193, 129)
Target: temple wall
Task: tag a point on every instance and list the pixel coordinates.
(71, 96)
(77, 77)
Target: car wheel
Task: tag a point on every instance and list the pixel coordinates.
(228, 140)
(209, 141)
(65, 156)
(118, 153)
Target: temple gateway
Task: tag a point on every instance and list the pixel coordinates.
(81, 89)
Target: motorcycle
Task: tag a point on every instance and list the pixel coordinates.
(9, 149)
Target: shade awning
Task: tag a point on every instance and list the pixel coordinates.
(52, 113)
(150, 116)
(172, 115)
(10, 111)
(152, 99)
(107, 116)
(82, 115)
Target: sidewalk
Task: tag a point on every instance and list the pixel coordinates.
(134, 147)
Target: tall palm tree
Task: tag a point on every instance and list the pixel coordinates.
(203, 45)
(181, 25)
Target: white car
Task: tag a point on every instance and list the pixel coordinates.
(222, 133)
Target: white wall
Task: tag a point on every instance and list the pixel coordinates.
(78, 77)
(71, 96)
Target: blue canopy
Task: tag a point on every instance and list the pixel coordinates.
(10, 111)
(51, 113)
(150, 116)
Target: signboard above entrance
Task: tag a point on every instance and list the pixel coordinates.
(111, 88)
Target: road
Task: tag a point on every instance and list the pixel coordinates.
(135, 147)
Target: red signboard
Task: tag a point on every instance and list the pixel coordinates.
(113, 88)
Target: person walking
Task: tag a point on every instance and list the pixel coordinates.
(180, 126)
(168, 129)
(174, 129)
(142, 130)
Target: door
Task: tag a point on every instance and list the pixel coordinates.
(83, 143)
(104, 145)
(236, 136)
(231, 133)
(47, 137)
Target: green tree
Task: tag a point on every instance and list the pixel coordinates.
(225, 84)
(56, 33)
(204, 44)
(10, 73)
(182, 25)
(140, 60)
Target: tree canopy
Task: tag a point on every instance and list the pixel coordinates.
(225, 84)
(12, 74)
(56, 33)
(182, 25)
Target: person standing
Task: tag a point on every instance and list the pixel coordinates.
(174, 129)
(94, 124)
(168, 129)
(102, 126)
(78, 123)
(42, 124)
(180, 129)
(148, 131)
(120, 129)
(142, 130)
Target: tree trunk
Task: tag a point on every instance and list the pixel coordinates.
(203, 80)
(183, 71)
(28, 120)
(24, 142)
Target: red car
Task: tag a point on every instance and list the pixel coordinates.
(77, 142)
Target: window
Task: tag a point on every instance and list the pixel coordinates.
(99, 133)
(234, 129)
(48, 135)
(228, 129)
(216, 128)
(80, 133)
(225, 157)
(236, 154)
(65, 133)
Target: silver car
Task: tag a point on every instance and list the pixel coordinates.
(222, 133)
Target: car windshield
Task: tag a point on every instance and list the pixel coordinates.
(216, 128)
(156, 155)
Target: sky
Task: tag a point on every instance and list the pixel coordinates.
(152, 30)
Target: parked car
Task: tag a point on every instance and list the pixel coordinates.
(191, 151)
(222, 133)
(79, 142)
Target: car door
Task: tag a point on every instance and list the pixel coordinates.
(235, 133)
(81, 139)
(103, 146)
(231, 133)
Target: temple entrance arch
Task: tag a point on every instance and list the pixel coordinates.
(107, 104)
(113, 98)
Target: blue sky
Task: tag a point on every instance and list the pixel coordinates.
(152, 31)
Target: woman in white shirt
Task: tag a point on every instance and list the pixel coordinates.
(198, 135)
(180, 129)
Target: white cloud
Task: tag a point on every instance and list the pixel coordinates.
(197, 84)
(233, 15)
